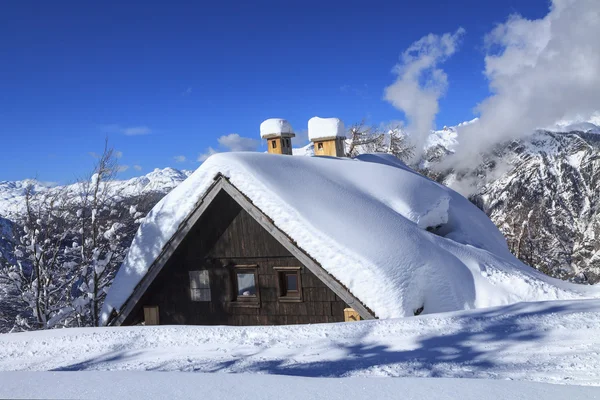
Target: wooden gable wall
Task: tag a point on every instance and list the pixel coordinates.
(226, 236)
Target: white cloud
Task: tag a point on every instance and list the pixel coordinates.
(137, 167)
(209, 152)
(180, 159)
(539, 71)
(420, 83)
(128, 131)
(187, 91)
(235, 142)
(122, 168)
(136, 130)
(231, 142)
(118, 154)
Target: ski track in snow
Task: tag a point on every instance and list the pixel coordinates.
(552, 342)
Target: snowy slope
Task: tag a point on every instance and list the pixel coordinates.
(383, 254)
(552, 342)
(180, 385)
(12, 193)
(543, 195)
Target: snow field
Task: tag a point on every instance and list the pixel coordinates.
(551, 342)
(178, 385)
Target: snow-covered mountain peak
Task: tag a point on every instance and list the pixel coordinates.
(160, 180)
(578, 124)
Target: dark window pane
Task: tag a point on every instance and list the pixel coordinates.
(292, 282)
(246, 284)
(274, 144)
(199, 285)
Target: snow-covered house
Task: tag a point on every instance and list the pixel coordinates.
(258, 238)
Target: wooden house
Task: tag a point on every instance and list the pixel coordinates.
(230, 265)
(263, 239)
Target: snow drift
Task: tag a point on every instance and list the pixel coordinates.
(397, 240)
(325, 128)
(551, 341)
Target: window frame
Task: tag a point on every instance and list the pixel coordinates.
(209, 289)
(320, 146)
(246, 301)
(283, 294)
(273, 143)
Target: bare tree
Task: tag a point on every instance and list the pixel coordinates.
(103, 221)
(42, 272)
(364, 139)
(371, 139)
(398, 143)
(68, 244)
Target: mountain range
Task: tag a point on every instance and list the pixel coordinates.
(542, 192)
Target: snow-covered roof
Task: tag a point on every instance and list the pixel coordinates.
(365, 222)
(274, 127)
(325, 128)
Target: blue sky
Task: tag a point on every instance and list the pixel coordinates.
(168, 79)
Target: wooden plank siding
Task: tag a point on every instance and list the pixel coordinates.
(224, 236)
(330, 147)
(283, 145)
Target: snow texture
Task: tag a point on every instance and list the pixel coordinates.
(325, 128)
(549, 342)
(366, 221)
(274, 127)
(179, 385)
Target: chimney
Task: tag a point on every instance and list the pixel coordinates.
(278, 133)
(328, 136)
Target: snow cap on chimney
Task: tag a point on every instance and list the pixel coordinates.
(325, 128)
(276, 127)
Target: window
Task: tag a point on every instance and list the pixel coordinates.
(274, 144)
(319, 146)
(289, 283)
(199, 285)
(246, 283)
